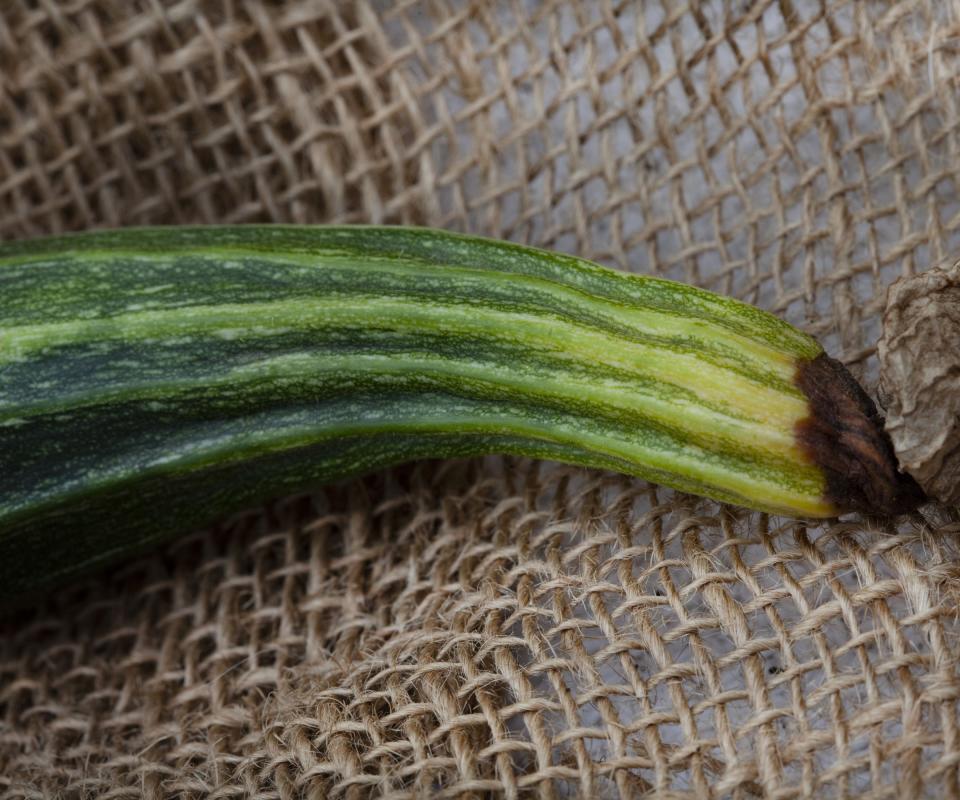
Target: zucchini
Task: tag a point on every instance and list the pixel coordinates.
(154, 379)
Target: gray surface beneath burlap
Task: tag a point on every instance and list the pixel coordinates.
(496, 626)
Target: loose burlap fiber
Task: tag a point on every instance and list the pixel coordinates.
(499, 627)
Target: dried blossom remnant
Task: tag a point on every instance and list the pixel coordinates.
(844, 437)
(920, 378)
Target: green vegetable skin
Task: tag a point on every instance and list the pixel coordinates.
(154, 379)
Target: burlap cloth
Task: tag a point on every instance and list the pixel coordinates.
(499, 627)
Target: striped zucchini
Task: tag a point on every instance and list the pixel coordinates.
(154, 379)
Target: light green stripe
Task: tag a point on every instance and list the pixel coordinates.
(187, 326)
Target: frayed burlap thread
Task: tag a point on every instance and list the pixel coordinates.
(500, 627)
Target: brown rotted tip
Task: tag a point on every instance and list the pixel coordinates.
(844, 436)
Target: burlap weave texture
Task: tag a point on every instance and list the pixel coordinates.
(500, 627)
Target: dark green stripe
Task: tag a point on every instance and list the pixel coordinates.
(76, 537)
(50, 291)
(129, 435)
(135, 444)
(370, 244)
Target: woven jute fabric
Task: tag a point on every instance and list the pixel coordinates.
(499, 627)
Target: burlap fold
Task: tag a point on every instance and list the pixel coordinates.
(500, 627)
